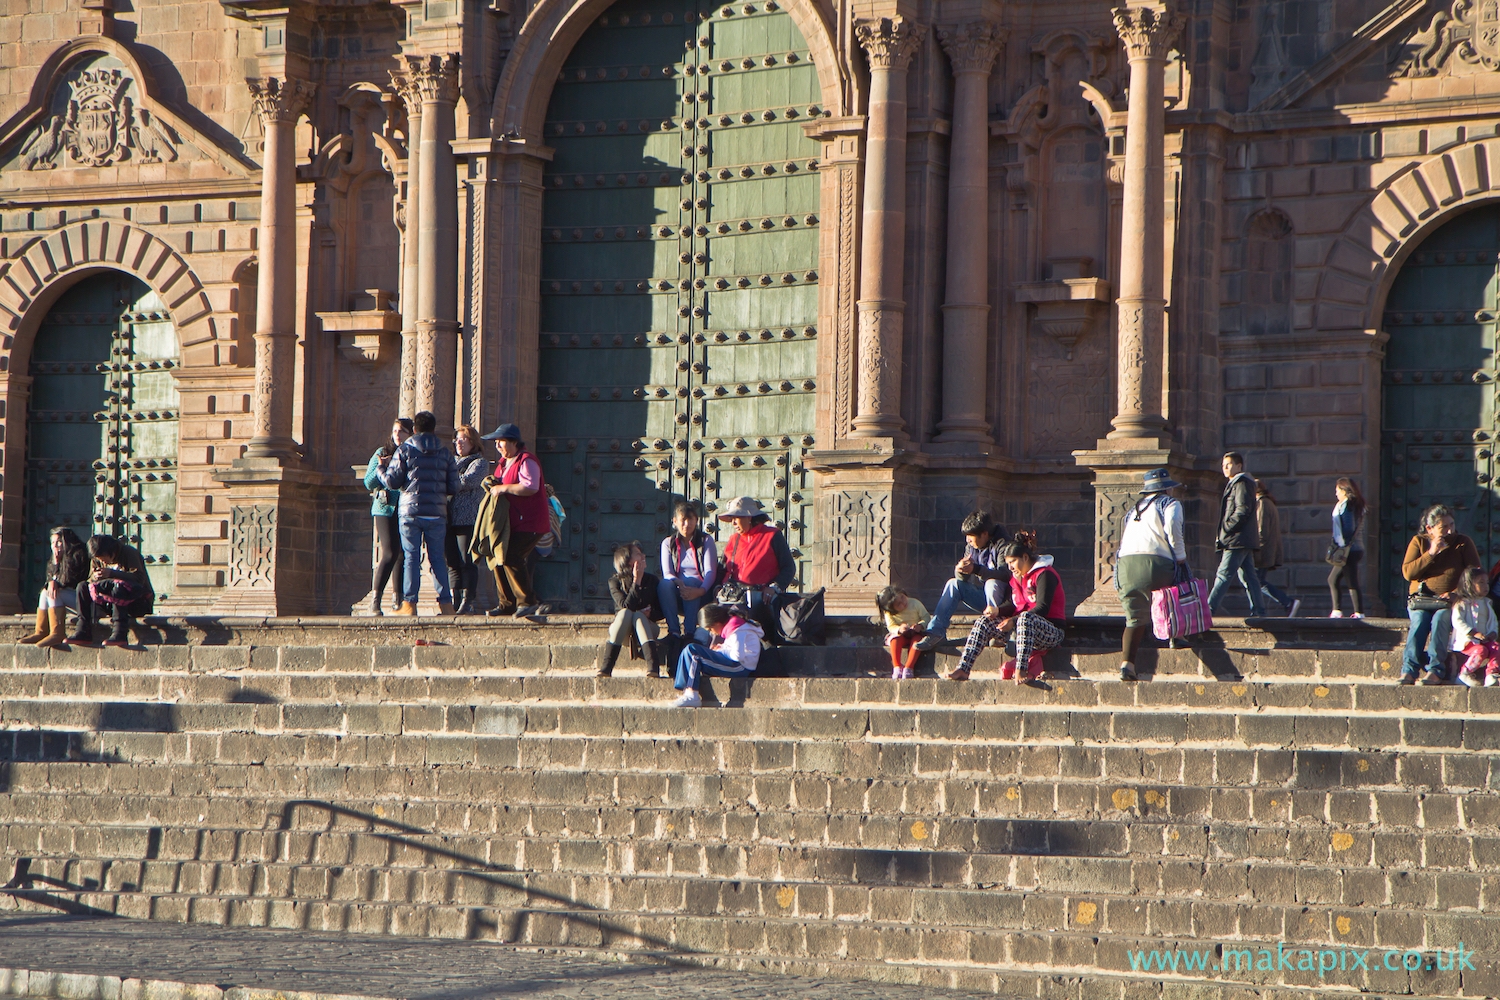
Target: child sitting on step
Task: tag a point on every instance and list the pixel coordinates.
(905, 621)
(1474, 630)
(735, 652)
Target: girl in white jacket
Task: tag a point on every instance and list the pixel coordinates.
(735, 652)
(1474, 630)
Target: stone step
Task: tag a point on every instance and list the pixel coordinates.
(38, 984)
(457, 801)
(1143, 855)
(1012, 937)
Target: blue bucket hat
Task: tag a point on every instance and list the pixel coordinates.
(505, 432)
(1159, 481)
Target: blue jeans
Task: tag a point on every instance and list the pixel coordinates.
(1428, 633)
(434, 531)
(677, 609)
(697, 660)
(956, 592)
(1275, 593)
(1232, 561)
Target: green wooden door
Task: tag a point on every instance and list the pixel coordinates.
(102, 426)
(1439, 425)
(679, 282)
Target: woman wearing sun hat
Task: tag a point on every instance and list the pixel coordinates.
(518, 477)
(1151, 544)
(756, 556)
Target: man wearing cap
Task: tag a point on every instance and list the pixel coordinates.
(518, 477)
(1151, 546)
(756, 555)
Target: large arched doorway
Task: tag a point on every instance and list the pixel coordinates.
(101, 453)
(679, 282)
(1439, 425)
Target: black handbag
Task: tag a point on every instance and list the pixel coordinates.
(1425, 600)
(1337, 555)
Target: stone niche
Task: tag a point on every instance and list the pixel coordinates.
(370, 333)
(1066, 306)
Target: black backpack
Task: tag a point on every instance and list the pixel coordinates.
(800, 619)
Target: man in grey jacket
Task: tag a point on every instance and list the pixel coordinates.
(425, 473)
(1239, 536)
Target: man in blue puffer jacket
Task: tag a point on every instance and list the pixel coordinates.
(426, 474)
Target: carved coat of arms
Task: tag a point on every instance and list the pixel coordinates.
(100, 126)
(1468, 31)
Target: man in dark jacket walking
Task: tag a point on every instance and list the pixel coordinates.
(1239, 536)
(426, 474)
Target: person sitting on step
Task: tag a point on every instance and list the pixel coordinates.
(735, 652)
(689, 567)
(1037, 610)
(979, 578)
(117, 580)
(758, 562)
(1475, 630)
(68, 568)
(905, 621)
(637, 610)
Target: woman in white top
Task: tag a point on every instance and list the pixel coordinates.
(1151, 544)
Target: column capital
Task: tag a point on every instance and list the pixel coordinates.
(429, 79)
(889, 42)
(1148, 31)
(973, 45)
(280, 100)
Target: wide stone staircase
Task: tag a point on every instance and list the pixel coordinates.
(1265, 800)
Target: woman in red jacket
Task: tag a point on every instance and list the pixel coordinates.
(1035, 612)
(519, 477)
(756, 556)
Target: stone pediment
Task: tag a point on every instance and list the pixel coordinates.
(92, 107)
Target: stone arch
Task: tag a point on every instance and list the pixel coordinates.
(1406, 207)
(31, 281)
(554, 26)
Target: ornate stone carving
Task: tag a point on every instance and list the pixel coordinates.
(279, 100)
(430, 79)
(972, 46)
(875, 361)
(861, 527)
(1148, 32)
(1133, 340)
(1110, 504)
(889, 42)
(252, 546)
(1467, 32)
(100, 126)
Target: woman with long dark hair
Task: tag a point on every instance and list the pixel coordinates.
(1347, 551)
(383, 509)
(463, 511)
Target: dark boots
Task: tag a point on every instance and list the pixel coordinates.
(605, 661)
(652, 652)
(119, 633)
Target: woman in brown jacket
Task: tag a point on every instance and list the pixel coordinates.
(1268, 556)
(1435, 561)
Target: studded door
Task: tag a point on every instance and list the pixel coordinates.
(679, 290)
(102, 426)
(1440, 416)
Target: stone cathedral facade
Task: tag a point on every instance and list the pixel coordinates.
(874, 262)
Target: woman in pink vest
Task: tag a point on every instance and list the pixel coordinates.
(1035, 613)
(520, 476)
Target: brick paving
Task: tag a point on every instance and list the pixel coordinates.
(412, 969)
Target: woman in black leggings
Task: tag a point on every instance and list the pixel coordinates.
(383, 505)
(1347, 551)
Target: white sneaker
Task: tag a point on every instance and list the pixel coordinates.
(1356, 615)
(907, 673)
(1296, 606)
(1491, 680)
(1335, 614)
(896, 673)
(689, 699)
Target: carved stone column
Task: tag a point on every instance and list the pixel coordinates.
(1139, 441)
(1148, 32)
(889, 43)
(971, 48)
(279, 103)
(435, 78)
(409, 249)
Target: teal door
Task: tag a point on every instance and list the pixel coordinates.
(679, 282)
(1439, 426)
(102, 426)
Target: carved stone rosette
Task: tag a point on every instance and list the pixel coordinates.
(889, 42)
(1147, 31)
(972, 46)
(278, 101)
(431, 79)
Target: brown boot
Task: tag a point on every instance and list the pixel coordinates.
(405, 608)
(58, 636)
(42, 628)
